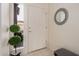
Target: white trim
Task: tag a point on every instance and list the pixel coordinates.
(25, 43)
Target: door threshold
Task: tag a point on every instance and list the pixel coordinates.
(37, 50)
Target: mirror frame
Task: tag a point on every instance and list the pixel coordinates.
(66, 16)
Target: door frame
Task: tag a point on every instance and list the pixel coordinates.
(25, 42)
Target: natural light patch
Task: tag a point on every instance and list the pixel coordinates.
(20, 17)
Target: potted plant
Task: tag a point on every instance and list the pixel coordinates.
(16, 39)
(21, 35)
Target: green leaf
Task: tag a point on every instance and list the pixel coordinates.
(14, 28)
(14, 40)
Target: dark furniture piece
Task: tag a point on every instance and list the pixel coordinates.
(64, 52)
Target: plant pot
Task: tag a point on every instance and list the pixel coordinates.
(18, 54)
(19, 45)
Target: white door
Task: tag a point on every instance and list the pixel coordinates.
(37, 28)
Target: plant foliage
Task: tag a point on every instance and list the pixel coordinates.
(14, 40)
(14, 28)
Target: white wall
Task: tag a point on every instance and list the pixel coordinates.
(4, 32)
(67, 35)
(0, 26)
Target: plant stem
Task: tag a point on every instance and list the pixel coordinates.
(15, 50)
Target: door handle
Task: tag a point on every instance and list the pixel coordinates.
(30, 29)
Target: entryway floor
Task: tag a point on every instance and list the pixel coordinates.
(43, 52)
